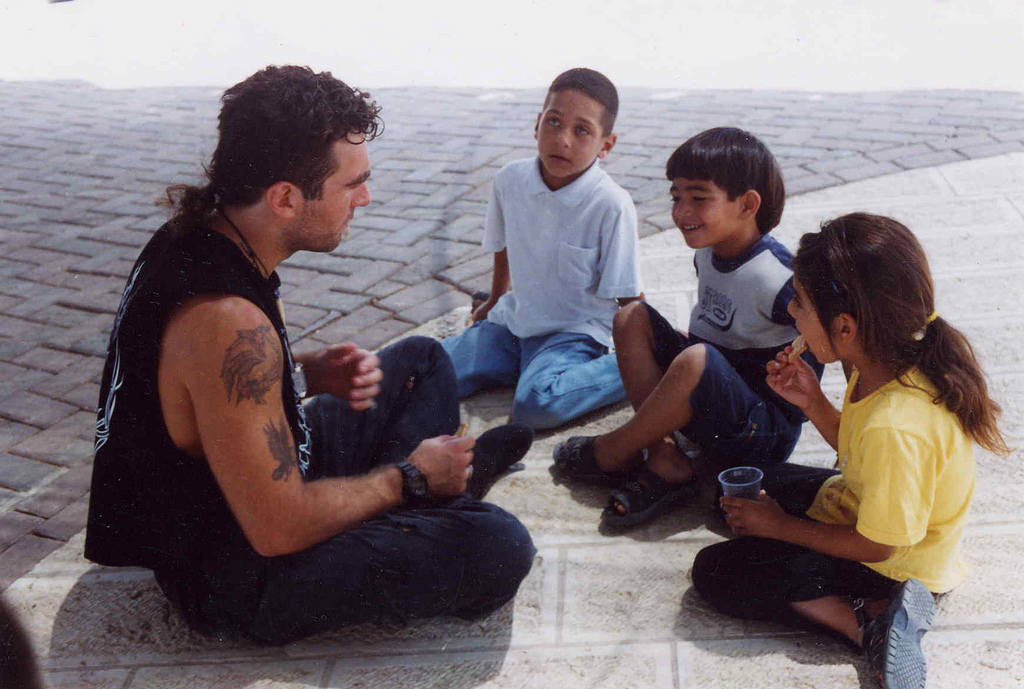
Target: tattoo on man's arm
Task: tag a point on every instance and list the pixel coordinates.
(252, 364)
(279, 440)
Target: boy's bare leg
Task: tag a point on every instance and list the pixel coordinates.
(634, 352)
(666, 409)
(665, 460)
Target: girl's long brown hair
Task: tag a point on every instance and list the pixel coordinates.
(874, 269)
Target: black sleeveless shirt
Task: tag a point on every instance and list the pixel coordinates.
(153, 505)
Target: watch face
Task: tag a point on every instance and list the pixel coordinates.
(413, 480)
(418, 484)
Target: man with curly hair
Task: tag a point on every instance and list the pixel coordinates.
(262, 515)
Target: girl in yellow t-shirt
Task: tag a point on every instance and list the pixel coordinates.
(860, 550)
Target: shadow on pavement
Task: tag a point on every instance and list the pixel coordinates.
(777, 644)
(121, 618)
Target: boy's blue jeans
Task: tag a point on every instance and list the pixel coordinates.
(456, 557)
(557, 377)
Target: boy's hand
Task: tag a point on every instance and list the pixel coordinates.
(447, 462)
(345, 371)
(794, 381)
(480, 312)
(759, 517)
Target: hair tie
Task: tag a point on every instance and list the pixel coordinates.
(919, 335)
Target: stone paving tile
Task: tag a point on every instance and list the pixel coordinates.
(647, 666)
(14, 525)
(58, 493)
(346, 327)
(32, 409)
(379, 333)
(21, 474)
(55, 448)
(433, 308)
(411, 296)
(23, 556)
(87, 679)
(268, 675)
(66, 523)
(12, 432)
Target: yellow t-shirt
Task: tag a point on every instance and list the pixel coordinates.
(907, 481)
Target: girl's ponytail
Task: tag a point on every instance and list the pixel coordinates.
(947, 359)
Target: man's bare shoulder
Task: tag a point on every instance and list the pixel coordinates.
(227, 336)
(213, 310)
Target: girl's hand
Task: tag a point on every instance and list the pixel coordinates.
(794, 381)
(759, 517)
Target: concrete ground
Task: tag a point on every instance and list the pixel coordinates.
(80, 168)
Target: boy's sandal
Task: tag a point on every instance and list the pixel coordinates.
(646, 497)
(892, 641)
(575, 461)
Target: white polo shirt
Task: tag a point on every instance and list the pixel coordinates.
(571, 252)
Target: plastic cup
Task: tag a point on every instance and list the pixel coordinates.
(741, 482)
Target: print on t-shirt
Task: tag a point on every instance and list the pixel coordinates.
(716, 309)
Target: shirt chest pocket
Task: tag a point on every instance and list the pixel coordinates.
(577, 266)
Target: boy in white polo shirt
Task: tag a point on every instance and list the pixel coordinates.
(564, 239)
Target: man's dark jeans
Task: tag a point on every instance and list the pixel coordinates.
(457, 557)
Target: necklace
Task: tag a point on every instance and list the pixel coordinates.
(298, 375)
(250, 252)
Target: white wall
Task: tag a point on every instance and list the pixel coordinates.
(834, 45)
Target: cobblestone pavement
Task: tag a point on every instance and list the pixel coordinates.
(82, 166)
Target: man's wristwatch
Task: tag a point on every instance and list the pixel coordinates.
(414, 483)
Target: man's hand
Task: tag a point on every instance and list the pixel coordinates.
(759, 517)
(447, 462)
(344, 371)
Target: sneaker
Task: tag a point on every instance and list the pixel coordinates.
(892, 641)
(495, 451)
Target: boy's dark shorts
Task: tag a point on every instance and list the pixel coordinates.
(731, 422)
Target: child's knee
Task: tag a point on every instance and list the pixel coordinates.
(690, 362)
(535, 413)
(416, 354)
(539, 406)
(631, 318)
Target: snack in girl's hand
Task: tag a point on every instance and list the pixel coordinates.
(462, 430)
(799, 347)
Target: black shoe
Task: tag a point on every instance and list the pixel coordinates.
(495, 451)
